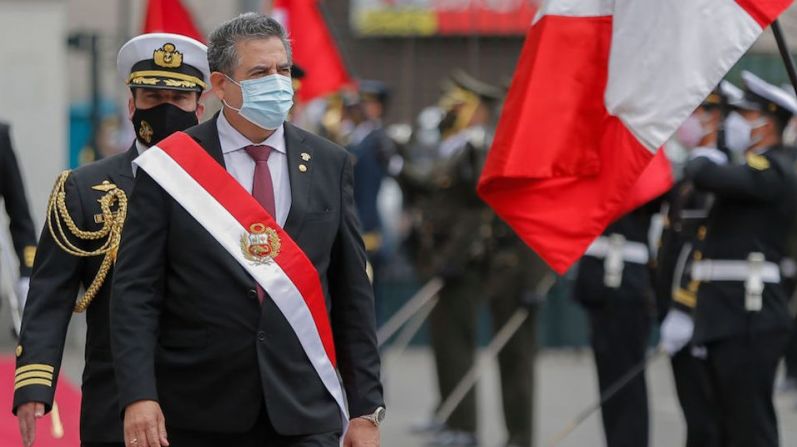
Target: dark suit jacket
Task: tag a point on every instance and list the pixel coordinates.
(12, 190)
(187, 328)
(55, 284)
(754, 211)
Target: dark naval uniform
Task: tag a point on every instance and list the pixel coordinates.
(684, 232)
(614, 286)
(742, 318)
(12, 190)
(57, 279)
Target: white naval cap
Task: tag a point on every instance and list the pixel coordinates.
(725, 93)
(763, 96)
(164, 60)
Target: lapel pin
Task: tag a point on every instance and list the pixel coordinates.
(302, 168)
(305, 156)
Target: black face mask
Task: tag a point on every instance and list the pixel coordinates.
(156, 123)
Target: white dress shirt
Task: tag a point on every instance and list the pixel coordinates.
(241, 166)
(140, 148)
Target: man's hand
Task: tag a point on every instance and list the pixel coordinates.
(27, 414)
(361, 433)
(676, 331)
(145, 425)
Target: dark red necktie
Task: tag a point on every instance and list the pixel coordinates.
(262, 188)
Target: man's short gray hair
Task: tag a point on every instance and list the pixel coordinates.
(222, 55)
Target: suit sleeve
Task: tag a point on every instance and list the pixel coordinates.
(137, 291)
(352, 314)
(53, 289)
(23, 232)
(739, 181)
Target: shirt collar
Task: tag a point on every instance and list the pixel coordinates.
(231, 140)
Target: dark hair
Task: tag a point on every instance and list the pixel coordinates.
(222, 55)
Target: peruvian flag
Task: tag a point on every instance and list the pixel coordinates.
(313, 47)
(170, 16)
(599, 87)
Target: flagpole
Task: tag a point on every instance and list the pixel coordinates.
(783, 47)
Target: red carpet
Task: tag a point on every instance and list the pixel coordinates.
(67, 396)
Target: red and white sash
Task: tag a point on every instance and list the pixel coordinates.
(250, 235)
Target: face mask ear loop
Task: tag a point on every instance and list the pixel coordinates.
(224, 101)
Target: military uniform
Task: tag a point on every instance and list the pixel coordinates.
(461, 240)
(57, 277)
(741, 316)
(613, 284)
(684, 231)
(12, 190)
(78, 248)
(682, 235)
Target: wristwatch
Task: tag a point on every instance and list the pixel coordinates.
(377, 417)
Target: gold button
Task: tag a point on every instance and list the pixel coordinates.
(697, 256)
(302, 168)
(19, 350)
(305, 156)
(701, 232)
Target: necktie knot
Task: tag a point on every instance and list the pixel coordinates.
(259, 153)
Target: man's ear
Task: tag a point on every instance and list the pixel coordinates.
(200, 110)
(217, 82)
(131, 107)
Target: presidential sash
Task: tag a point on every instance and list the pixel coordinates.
(250, 235)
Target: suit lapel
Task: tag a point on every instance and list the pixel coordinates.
(299, 154)
(207, 134)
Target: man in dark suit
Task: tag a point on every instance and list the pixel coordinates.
(741, 317)
(23, 234)
(78, 245)
(200, 348)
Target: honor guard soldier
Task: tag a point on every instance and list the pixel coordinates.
(686, 210)
(613, 286)
(461, 241)
(741, 317)
(23, 234)
(166, 73)
(372, 150)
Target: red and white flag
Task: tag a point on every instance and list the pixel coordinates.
(599, 87)
(170, 16)
(314, 48)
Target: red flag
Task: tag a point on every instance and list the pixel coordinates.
(599, 87)
(313, 47)
(170, 16)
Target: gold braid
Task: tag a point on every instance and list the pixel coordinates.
(58, 216)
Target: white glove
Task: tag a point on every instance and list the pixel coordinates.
(22, 291)
(676, 331)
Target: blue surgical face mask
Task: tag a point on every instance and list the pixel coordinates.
(266, 100)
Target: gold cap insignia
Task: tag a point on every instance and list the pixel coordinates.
(302, 168)
(146, 132)
(305, 156)
(260, 244)
(18, 351)
(168, 56)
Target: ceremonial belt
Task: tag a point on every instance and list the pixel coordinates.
(733, 270)
(633, 252)
(250, 235)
